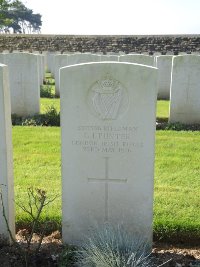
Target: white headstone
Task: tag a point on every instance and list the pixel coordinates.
(6, 164)
(157, 53)
(66, 60)
(182, 53)
(24, 83)
(108, 130)
(79, 58)
(164, 65)
(112, 54)
(41, 67)
(185, 90)
(51, 61)
(109, 58)
(197, 53)
(1, 58)
(60, 61)
(138, 58)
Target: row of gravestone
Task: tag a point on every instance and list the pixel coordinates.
(177, 79)
(108, 115)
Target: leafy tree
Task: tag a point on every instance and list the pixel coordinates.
(17, 18)
(4, 20)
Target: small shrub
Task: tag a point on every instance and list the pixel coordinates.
(67, 257)
(163, 125)
(37, 200)
(50, 118)
(16, 120)
(114, 247)
(29, 122)
(47, 91)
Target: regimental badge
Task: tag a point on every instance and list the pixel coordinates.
(108, 98)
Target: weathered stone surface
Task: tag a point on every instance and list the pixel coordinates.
(24, 83)
(6, 161)
(71, 59)
(105, 44)
(185, 93)
(109, 58)
(164, 65)
(139, 59)
(108, 130)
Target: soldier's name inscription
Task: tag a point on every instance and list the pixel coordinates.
(107, 139)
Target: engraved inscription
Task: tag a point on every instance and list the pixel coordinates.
(107, 180)
(107, 139)
(107, 98)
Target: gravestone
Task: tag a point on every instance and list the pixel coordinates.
(41, 66)
(6, 165)
(59, 62)
(108, 130)
(24, 83)
(164, 65)
(109, 58)
(79, 58)
(65, 60)
(138, 58)
(185, 92)
(1, 58)
(51, 61)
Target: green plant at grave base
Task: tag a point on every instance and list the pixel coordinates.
(47, 91)
(37, 200)
(67, 257)
(48, 87)
(50, 118)
(109, 246)
(46, 102)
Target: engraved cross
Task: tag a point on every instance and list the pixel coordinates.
(107, 180)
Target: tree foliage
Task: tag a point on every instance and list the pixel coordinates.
(15, 17)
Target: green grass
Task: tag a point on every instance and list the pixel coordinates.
(177, 183)
(162, 109)
(177, 176)
(37, 164)
(47, 102)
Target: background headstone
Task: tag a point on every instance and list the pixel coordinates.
(109, 58)
(59, 61)
(138, 58)
(6, 164)
(65, 60)
(164, 65)
(108, 129)
(24, 83)
(185, 90)
(50, 59)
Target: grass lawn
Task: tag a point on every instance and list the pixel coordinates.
(162, 109)
(37, 164)
(177, 176)
(162, 106)
(177, 183)
(45, 103)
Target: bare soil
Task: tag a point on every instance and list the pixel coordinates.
(52, 247)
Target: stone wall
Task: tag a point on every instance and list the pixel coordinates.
(127, 44)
